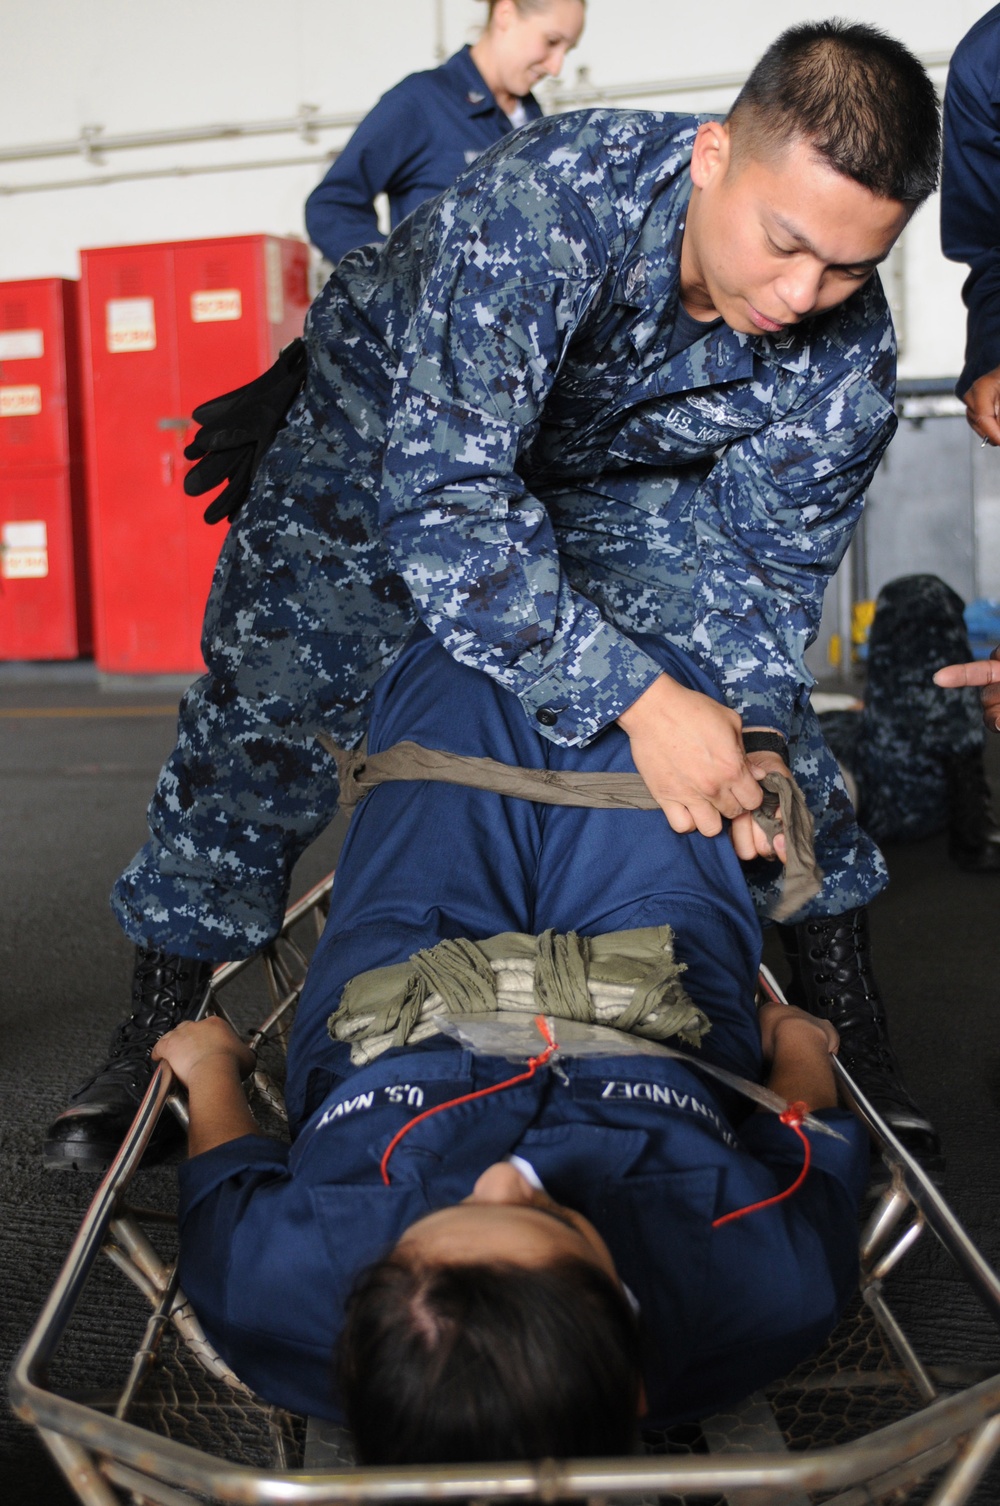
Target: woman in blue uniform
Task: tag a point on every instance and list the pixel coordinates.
(427, 130)
(494, 1246)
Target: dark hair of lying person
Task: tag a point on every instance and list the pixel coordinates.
(456, 1363)
(861, 98)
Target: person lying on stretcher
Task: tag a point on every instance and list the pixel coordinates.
(519, 1273)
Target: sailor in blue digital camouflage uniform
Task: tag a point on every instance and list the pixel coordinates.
(915, 750)
(432, 125)
(642, 1167)
(633, 371)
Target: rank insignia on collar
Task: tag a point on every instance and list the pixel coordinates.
(635, 282)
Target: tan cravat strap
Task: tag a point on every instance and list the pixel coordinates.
(360, 772)
(786, 811)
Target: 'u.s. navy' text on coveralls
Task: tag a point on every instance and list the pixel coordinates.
(493, 436)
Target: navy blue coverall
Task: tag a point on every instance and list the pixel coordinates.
(412, 145)
(650, 1150)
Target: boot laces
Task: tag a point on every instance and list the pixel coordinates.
(161, 998)
(855, 1008)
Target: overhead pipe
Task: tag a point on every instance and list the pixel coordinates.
(93, 145)
(108, 180)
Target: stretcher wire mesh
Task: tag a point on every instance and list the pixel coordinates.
(853, 1386)
(179, 1400)
(178, 1397)
(850, 1388)
(179, 1390)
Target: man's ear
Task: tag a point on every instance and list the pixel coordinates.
(711, 154)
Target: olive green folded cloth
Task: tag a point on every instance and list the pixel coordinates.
(626, 979)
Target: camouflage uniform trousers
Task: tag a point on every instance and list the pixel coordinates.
(303, 617)
(305, 614)
(899, 747)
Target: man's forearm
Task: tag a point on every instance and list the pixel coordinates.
(801, 1067)
(217, 1106)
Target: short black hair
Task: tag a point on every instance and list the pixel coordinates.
(859, 97)
(488, 1362)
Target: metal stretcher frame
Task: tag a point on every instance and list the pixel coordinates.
(953, 1437)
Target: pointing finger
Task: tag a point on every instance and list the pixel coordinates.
(981, 672)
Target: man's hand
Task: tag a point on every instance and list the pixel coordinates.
(982, 672)
(982, 406)
(687, 748)
(749, 839)
(196, 1045)
(209, 1058)
(773, 1019)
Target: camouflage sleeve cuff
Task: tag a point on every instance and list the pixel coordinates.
(776, 714)
(582, 695)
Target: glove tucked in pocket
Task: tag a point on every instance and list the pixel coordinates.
(236, 430)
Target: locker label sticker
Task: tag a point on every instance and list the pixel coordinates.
(274, 282)
(24, 551)
(21, 344)
(130, 324)
(20, 402)
(215, 305)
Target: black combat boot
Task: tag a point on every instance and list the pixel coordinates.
(87, 1135)
(832, 978)
(973, 834)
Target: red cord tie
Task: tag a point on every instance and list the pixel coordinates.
(793, 1117)
(534, 1063)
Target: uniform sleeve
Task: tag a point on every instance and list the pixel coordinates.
(217, 1190)
(801, 1287)
(269, 1253)
(816, 1229)
(845, 1160)
(340, 212)
(970, 191)
(256, 1268)
(777, 513)
(780, 1277)
(520, 266)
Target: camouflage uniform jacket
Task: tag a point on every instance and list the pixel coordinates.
(524, 319)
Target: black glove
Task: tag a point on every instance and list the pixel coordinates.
(236, 430)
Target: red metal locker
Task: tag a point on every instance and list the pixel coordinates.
(44, 577)
(165, 328)
(38, 592)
